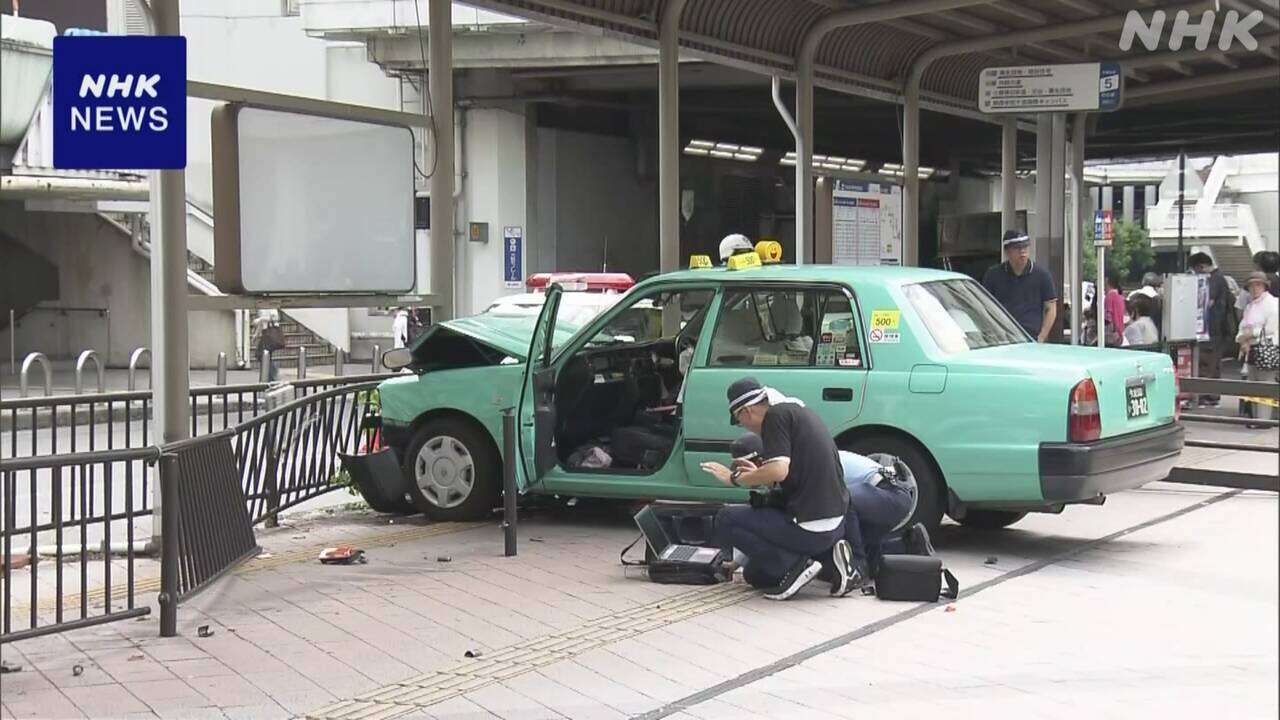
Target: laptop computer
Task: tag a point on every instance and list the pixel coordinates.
(665, 548)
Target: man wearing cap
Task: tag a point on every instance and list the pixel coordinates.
(1024, 289)
(799, 456)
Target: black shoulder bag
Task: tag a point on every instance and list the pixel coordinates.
(916, 578)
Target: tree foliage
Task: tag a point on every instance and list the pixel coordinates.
(1130, 254)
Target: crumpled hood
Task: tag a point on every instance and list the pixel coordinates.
(509, 333)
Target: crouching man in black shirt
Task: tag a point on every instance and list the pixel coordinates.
(799, 457)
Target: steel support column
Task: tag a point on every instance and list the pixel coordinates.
(1058, 212)
(1079, 216)
(1009, 174)
(669, 136)
(170, 352)
(440, 107)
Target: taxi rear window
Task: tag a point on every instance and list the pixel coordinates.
(961, 316)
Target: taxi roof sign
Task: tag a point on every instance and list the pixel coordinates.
(770, 251)
(744, 261)
(699, 262)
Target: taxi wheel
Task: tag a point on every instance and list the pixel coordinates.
(451, 471)
(990, 519)
(928, 484)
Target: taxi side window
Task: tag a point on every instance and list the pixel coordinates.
(785, 327)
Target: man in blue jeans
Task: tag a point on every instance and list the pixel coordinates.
(881, 500)
(799, 457)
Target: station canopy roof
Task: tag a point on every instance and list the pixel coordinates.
(1208, 100)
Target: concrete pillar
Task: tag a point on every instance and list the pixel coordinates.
(497, 176)
(440, 85)
(1009, 174)
(669, 136)
(1108, 198)
(1129, 199)
(169, 337)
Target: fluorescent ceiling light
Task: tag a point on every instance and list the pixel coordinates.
(828, 162)
(723, 150)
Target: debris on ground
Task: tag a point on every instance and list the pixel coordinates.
(342, 555)
(444, 558)
(297, 537)
(534, 539)
(77, 670)
(991, 560)
(136, 658)
(951, 607)
(16, 561)
(6, 668)
(203, 631)
(473, 654)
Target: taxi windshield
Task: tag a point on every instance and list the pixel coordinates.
(961, 316)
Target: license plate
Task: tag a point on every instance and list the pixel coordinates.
(1136, 405)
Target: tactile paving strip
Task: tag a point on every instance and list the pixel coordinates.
(435, 687)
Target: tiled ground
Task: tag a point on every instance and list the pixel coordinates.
(1173, 619)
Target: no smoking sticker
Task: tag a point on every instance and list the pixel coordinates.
(884, 337)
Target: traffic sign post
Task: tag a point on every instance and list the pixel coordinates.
(1101, 241)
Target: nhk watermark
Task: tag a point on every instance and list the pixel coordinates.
(1234, 29)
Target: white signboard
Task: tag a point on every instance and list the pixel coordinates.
(866, 223)
(1050, 88)
(306, 203)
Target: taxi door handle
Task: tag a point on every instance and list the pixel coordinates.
(836, 394)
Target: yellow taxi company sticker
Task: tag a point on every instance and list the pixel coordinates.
(884, 337)
(698, 262)
(885, 319)
(744, 261)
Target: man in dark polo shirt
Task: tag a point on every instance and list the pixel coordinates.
(800, 458)
(1025, 289)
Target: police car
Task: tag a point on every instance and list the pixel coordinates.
(916, 363)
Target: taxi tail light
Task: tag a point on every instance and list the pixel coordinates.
(1084, 418)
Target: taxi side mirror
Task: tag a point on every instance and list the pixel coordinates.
(397, 359)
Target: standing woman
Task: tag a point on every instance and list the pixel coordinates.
(1260, 334)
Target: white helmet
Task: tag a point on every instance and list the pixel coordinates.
(732, 245)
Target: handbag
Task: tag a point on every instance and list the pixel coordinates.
(273, 338)
(916, 578)
(1265, 355)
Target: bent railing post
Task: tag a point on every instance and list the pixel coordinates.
(134, 359)
(23, 380)
(337, 362)
(222, 369)
(169, 545)
(263, 367)
(373, 363)
(302, 362)
(83, 360)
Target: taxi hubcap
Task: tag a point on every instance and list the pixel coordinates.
(445, 471)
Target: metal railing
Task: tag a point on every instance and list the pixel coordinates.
(84, 510)
(79, 512)
(1265, 480)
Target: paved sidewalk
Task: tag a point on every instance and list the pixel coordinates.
(1069, 614)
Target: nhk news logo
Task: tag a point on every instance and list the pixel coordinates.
(1235, 28)
(120, 102)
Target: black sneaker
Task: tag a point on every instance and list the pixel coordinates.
(917, 540)
(796, 578)
(849, 575)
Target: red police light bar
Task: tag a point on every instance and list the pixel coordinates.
(590, 282)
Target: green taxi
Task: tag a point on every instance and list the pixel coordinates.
(916, 363)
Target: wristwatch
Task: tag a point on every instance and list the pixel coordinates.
(733, 477)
